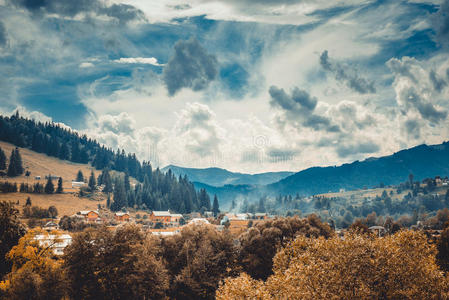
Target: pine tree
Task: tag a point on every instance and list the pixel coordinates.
(80, 176)
(119, 195)
(108, 202)
(59, 189)
(215, 207)
(127, 184)
(107, 181)
(92, 183)
(15, 164)
(28, 203)
(2, 160)
(49, 187)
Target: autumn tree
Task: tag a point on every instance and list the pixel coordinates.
(443, 250)
(197, 260)
(36, 273)
(11, 230)
(125, 264)
(261, 242)
(399, 266)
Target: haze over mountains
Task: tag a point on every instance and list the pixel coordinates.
(219, 177)
(422, 161)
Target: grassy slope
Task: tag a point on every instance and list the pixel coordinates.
(40, 165)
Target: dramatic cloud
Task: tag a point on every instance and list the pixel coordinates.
(299, 107)
(349, 77)
(124, 13)
(362, 147)
(189, 67)
(438, 83)
(413, 84)
(440, 21)
(138, 60)
(413, 128)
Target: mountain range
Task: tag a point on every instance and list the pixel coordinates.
(422, 161)
(220, 177)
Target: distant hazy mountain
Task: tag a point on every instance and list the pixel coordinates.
(220, 177)
(422, 161)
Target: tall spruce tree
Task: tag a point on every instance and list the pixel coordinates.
(59, 188)
(49, 186)
(119, 194)
(15, 167)
(80, 176)
(2, 160)
(215, 206)
(92, 183)
(107, 181)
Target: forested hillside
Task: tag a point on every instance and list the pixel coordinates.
(155, 190)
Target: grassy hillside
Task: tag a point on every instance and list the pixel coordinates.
(39, 164)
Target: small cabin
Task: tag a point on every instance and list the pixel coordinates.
(90, 215)
(121, 216)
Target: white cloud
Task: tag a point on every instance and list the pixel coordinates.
(138, 60)
(86, 65)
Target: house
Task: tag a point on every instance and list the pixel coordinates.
(52, 177)
(260, 216)
(175, 218)
(121, 216)
(56, 242)
(50, 226)
(165, 217)
(37, 177)
(438, 181)
(160, 216)
(90, 215)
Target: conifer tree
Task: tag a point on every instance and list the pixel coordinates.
(15, 163)
(59, 189)
(2, 160)
(127, 184)
(119, 194)
(92, 182)
(107, 181)
(28, 203)
(80, 176)
(49, 187)
(215, 207)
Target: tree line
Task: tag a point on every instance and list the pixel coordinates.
(57, 141)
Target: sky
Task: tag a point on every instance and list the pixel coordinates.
(250, 85)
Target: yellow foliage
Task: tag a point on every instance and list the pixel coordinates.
(400, 266)
(28, 257)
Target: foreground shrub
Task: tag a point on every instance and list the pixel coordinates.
(400, 266)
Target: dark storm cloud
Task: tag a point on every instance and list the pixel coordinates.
(364, 147)
(70, 8)
(300, 106)
(189, 67)
(427, 110)
(440, 22)
(298, 101)
(350, 78)
(413, 128)
(438, 83)
(3, 38)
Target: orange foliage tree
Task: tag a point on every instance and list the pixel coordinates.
(400, 266)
